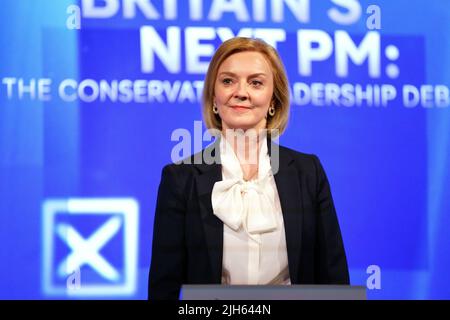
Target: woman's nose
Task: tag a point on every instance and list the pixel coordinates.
(241, 92)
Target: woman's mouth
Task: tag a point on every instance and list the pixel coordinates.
(240, 108)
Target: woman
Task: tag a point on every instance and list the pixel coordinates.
(269, 221)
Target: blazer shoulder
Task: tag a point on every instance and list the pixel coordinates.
(178, 172)
(305, 162)
(184, 170)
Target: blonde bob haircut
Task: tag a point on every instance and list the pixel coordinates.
(280, 98)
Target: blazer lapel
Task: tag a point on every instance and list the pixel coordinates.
(288, 186)
(212, 226)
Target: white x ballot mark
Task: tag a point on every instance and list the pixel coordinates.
(86, 251)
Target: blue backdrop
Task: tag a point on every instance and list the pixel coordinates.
(92, 91)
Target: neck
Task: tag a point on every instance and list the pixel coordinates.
(246, 145)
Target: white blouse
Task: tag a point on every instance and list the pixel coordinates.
(254, 242)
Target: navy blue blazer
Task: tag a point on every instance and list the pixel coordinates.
(187, 243)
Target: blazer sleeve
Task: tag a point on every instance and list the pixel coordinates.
(167, 268)
(331, 259)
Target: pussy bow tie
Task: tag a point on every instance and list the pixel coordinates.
(244, 203)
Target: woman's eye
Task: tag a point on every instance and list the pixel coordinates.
(256, 83)
(227, 81)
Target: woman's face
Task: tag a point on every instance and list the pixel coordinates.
(243, 91)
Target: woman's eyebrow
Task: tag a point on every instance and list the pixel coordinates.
(249, 76)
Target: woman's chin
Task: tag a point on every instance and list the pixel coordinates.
(241, 125)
